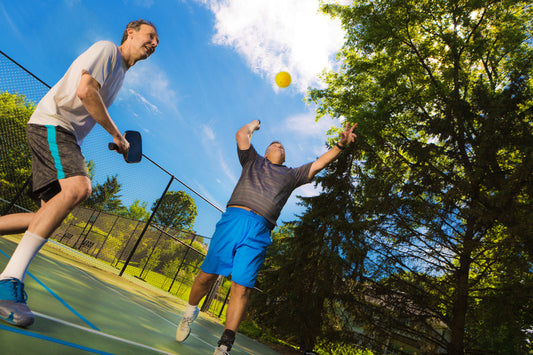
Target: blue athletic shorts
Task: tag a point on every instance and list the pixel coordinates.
(238, 247)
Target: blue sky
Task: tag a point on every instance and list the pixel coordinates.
(212, 73)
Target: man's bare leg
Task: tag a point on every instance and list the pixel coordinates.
(43, 223)
(13, 307)
(201, 285)
(15, 223)
(237, 306)
(74, 190)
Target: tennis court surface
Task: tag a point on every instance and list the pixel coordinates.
(81, 309)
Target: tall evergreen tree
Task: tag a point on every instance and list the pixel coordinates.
(106, 197)
(442, 93)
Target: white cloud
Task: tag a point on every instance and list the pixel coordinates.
(308, 190)
(305, 125)
(205, 193)
(275, 35)
(145, 102)
(7, 20)
(151, 83)
(208, 132)
(226, 169)
(215, 151)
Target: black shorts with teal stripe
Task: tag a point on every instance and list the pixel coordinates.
(55, 155)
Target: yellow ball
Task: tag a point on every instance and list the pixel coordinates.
(283, 79)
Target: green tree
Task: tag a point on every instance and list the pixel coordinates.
(106, 197)
(177, 210)
(15, 156)
(442, 93)
(138, 210)
(91, 167)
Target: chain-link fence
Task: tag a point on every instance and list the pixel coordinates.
(140, 238)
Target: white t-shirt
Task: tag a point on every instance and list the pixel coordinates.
(61, 105)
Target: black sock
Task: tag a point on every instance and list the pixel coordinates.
(228, 337)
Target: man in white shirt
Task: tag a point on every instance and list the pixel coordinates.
(55, 131)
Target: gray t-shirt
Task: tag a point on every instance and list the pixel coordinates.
(265, 187)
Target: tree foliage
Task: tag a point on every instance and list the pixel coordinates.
(106, 197)
(15, 156)
(442, 93)
(177, 210)
(138, 210)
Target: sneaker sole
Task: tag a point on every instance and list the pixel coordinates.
(181, 341)
(23, 323)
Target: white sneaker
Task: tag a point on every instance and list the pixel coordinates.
(221, 350)
(184, 328)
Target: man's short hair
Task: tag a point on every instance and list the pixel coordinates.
(273, 142)
(136, 25)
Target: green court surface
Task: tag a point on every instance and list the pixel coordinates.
(82, 309)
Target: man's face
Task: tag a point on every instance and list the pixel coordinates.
(275, 153)
(144, 41)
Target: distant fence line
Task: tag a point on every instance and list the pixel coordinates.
(164, 257)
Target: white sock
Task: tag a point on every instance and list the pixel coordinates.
(28, 247)
(189, 311)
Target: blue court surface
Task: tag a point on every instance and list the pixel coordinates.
(85, 309)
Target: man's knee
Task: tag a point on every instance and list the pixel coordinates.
(240, 290)
(76, 189)
(206, 279)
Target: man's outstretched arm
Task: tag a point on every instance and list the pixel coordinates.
(244, 134)
(346, 138)
(89, 94)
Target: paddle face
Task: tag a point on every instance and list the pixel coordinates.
(135, 152)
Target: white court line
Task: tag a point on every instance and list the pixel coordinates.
(146, 308)
(101, 333)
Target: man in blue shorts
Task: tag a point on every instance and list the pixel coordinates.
(55, 131)
(242, 235)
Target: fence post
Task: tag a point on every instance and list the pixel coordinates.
(15, 199)
(212, 294)
(106, 237)
(127, 243)
(224, 304)
(181, 264)
(91, 221)
(150, 256)
(145, 227)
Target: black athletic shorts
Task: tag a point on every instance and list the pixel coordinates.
(55, 155)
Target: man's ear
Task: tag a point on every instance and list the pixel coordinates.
(130, 31)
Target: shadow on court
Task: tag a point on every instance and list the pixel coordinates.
(82, 309)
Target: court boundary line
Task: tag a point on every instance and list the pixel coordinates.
(120, 291)
(52, 340)
(99, 332)
(56, 296)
